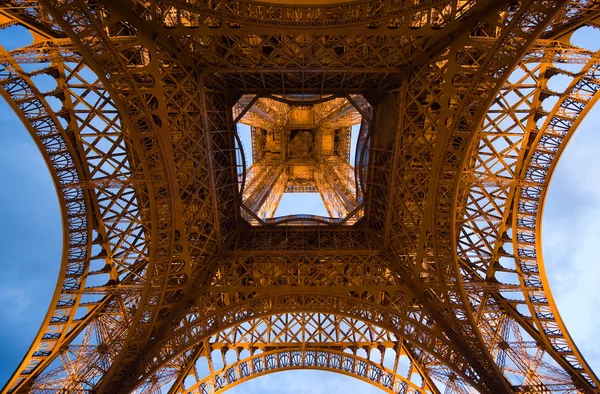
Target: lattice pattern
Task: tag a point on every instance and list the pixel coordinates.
(454, 155)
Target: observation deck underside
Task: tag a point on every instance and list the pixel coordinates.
(301, 148)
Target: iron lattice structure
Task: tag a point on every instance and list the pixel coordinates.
(301, 146)
(167, 280)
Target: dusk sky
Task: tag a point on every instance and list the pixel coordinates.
(31, 236)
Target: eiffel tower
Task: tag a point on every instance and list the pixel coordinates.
(427, 274)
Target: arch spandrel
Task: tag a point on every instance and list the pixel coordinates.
(436, 127)
(173, 124)
(87, 253)
(199, 326)
(50, 137)
(529, 153)
(337, 343)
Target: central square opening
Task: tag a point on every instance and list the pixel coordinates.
(300, 154)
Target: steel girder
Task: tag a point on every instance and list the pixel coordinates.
(142, 149)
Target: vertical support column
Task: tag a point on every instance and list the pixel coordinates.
(333, 203)
(211, 367)
(218, 138)
(382, 161)
(258, 143)
(335, 182)
(264, 186)
(271, 202)
(416, 365)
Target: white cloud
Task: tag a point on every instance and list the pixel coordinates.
(571, 237)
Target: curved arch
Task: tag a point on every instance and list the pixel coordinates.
(446, 123)
(220, 358)
(139, 103)
(201, 326)
(242, 172)
(260, 364)
(303, 219)
(511, 165)
(566, 116)
(66, 171)
(97, 191)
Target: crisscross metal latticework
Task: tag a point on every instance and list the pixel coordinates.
(300, 146)
(176, 278)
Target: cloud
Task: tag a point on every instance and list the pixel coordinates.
(571, 236)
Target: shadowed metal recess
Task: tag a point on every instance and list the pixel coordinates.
(428, 275)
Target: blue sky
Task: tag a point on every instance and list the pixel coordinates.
(30, 239)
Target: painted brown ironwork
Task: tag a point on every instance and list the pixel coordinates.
(172, 259)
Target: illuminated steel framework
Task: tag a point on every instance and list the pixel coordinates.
(175, 277)
(301, 146)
